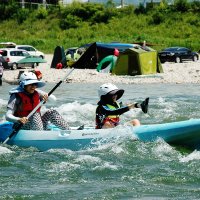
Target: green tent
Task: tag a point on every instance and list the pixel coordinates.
(138, 61)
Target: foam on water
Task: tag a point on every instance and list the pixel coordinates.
(4, 150)
(88, 159)
(3, 103)
(64, 167)
(164, 151)
(76, 112)
(115, 139)
(118, 149)
(195, 155)
(106, 165)
(167, 109)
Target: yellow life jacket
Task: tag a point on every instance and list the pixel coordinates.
(111, 107)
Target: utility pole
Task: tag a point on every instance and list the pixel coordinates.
(23, 4)
(44, 3)
(122, 3)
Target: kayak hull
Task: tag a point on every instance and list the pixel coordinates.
(183, 133)
(55, 138)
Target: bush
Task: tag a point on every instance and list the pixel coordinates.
(69, 22)
(110, 4)
(37, 42)
(163, 7)
(22, 15)
(41, 13)
(95, 13)
(8, 9)
(140, 9)
(104, 16)
(195, 6)
(127, 10)
(157, 18)
(85, 11)
(193, 20)
(181, 5)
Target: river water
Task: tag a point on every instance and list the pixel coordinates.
(121, 169)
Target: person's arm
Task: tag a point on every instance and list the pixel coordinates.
(51, 97)
(11, 107)
(118, 111)
(10, 117)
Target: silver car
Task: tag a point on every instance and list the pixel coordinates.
(31, 50)
(12, 56)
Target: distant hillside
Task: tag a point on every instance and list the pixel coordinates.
(77, 24)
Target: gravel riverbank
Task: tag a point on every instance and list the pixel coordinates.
(187, 72)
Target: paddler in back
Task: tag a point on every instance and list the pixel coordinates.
(109, 110)
(25, 98)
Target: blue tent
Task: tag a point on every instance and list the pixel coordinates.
(97, 51)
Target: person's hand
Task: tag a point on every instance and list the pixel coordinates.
(143, 105)
(45, 97)
(23, 120)
(131, 105)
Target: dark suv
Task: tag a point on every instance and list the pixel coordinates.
(177, 54)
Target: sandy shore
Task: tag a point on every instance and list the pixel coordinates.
(187, 72)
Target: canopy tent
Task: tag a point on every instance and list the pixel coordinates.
(114, 45)
(58, 57)
(137, 61)
(31, 59)
(87, 60)
(96, 52)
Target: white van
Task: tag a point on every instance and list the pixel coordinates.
(12, 56)
(31, 50)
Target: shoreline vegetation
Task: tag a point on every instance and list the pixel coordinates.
(76, 24)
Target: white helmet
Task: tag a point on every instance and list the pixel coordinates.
(109, 88)
(28, 78)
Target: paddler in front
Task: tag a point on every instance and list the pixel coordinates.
(109, 110)
(25, 98)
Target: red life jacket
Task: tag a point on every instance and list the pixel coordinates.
(27, 104)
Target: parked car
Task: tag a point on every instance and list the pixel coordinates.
(12, 56)
(31, 50)
(3, 61)
(177, 54)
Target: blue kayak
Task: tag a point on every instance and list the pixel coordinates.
(183, 133)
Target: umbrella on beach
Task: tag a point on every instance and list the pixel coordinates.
(31, 59)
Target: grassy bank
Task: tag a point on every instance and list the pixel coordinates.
(45, 29)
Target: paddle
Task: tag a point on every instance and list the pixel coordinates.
(17, 126)
(144, 105)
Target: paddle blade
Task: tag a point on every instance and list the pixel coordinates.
(144, 105)
(5, 130)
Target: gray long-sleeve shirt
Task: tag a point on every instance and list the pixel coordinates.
(14, 102)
